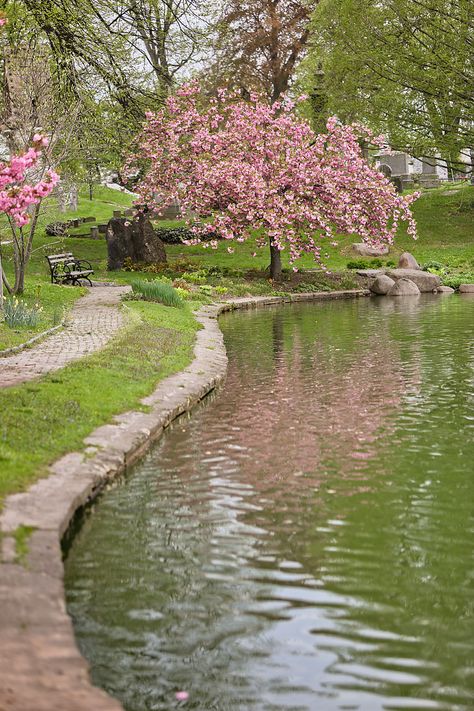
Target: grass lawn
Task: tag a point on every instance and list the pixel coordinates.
(42, 420)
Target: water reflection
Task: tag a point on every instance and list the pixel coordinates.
(302, 541)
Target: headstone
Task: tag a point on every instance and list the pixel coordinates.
(404, 287)
(381, 284)
(135, 239)
(424, 280)
(366, 250)
(94, 233)
(407, 261)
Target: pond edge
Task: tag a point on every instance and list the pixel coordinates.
(41, 668)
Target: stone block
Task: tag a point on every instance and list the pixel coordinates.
(366, 250)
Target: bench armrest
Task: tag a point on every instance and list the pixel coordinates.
(82, 264)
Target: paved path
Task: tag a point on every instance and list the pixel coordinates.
(92, 322)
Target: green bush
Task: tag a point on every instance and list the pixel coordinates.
(365, 263)
(157, 290)
(455, 280)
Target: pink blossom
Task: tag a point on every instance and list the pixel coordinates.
(16, 196)
(182, 696)
(247, 166)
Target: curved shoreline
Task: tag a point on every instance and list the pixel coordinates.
(41, 666)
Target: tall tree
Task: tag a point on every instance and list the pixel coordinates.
(259, 44)
(404, 67)
(246, 166)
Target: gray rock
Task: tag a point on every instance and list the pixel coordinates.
(466, 289)
(445, 290)
(381, 284)
(404, 287)
(370, 273)
(407, 261)
(424, 280)
(135, 239)
(366, 250)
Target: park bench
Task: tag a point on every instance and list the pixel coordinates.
(66, 269)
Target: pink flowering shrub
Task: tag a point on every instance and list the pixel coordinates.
(246, 167)
(17, 197)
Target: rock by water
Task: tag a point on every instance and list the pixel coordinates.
(404, 287)
(381, 284)
(424, 280)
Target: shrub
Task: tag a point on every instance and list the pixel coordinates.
(157, 291)
(455, 280)
(365, 263)
(429, 266)
(18, 314)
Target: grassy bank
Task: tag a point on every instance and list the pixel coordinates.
(42, 420)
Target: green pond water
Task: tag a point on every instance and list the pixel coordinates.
(304, 539)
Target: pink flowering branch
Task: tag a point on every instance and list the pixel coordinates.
(246, 168)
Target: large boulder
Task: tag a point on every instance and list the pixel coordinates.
(134, 239)
(408, 261)
(424, 280)
(466, 288)
(381, 284)
(366, 250)
(404, 287)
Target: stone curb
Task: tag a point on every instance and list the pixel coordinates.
(22, 346)
(41, 668)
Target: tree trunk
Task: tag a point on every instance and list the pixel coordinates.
(275, 262)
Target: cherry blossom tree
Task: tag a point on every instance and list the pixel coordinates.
(248, 168)
(19, 201)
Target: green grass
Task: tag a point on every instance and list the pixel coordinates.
(42, 420)
(22, 536)
(157, 290)
(445, 229)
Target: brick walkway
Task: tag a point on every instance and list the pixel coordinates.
(90, 325)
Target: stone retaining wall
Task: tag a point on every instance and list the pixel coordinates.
(41, 668)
